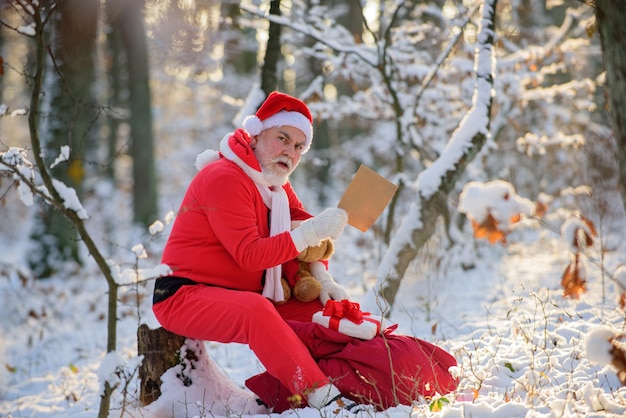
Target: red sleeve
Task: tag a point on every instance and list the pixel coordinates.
(238, 218)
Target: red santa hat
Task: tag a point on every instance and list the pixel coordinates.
(280, 109)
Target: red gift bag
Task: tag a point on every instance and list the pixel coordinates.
(361, 369)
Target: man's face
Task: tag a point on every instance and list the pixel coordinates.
(278, 151)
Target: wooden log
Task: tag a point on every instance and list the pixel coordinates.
(161, 351)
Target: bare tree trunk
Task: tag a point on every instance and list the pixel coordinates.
(330, 133)
(71, 124)
(240, 44)
(160, 350)
(116, 82)
(129, 19)
(431, 204)
(269, 78)
(611, 22)
(2, 53)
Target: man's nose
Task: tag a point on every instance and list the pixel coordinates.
(288, 150)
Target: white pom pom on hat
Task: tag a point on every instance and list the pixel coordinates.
(252, 124)
(205, 158)
(280, 109)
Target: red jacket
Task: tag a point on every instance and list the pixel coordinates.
(221, 233)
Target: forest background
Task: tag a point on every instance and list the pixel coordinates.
(115, 99)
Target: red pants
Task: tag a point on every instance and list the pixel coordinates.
(211, 313)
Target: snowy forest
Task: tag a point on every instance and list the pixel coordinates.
(502, 123)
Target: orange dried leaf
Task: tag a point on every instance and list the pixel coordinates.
(540, 209)
(76, 171)
(573, 284)
(340, 402)
(488, 229)
(590, 224)
(622, 301)
(618, 359)
(586, 235)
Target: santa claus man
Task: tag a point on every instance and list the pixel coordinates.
(238, 223)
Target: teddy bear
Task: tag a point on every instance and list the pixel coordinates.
(305, 286)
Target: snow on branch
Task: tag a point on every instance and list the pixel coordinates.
(475, 122)
(342, 44)
(433, 184)
(15, 162)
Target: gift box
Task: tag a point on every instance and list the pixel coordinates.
(347, 318)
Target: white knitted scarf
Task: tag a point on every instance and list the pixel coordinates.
(274, 197)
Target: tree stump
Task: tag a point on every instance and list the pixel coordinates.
(161, 351)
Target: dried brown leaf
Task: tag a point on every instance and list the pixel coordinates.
(572, 282)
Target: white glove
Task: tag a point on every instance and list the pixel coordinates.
(330, 288)
(328, 224)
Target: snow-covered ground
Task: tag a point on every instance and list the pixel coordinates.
(520, 344)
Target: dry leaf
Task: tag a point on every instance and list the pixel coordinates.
(572, 281)
(540, 209)
(618, 358)
(584, 236)
(489, 229)
(76, 171)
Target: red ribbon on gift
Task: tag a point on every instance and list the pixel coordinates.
(373, 321)
(338, 310)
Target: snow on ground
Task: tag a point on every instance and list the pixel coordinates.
(519, 343)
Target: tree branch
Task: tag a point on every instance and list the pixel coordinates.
(435, 183)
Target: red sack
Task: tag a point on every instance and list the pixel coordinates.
(361, 370)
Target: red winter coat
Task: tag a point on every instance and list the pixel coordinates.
(361, 369)
(221, 233)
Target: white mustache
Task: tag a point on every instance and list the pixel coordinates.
(284, 160)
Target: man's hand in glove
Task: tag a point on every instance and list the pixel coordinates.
(330, 288)
(328, 224)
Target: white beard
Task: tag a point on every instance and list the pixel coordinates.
(273, 177)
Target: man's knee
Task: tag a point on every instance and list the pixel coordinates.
(258, 305)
